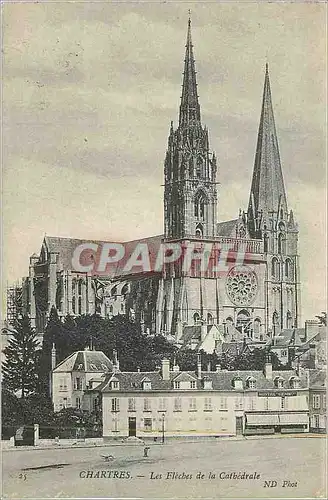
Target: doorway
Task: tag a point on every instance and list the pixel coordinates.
(132, 426)
(239, 426)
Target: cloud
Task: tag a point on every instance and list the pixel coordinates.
(89, 92)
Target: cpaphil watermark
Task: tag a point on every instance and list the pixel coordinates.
(186, 257)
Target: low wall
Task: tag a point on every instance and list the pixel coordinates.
(48, 443)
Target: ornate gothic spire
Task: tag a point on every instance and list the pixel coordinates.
(268, 195)
(189, 108)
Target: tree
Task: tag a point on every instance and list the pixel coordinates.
(187, 359)
(37, 409)
(53, 335)
(12, 415)
(253, 360)
(20, 370)
(227, 360)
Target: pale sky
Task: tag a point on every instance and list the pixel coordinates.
(89, 92)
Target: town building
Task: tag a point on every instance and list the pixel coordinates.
(301, 346)
(259, 295)
(71, 378)
(172, 403)
(317, 401)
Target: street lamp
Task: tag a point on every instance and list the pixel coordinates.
(163, 428)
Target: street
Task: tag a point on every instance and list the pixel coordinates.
(286, 467)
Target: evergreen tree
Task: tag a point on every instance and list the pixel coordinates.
(20, 370)
(53, 335)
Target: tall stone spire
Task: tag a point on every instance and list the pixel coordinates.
(189, 107)
(268, 196)
(190, 196)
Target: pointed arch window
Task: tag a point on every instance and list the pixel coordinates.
(275, 323)
(79, 292)
(289, 271)
(289, 320)
(200, 206)
(164, 317)
(256, 326)
(275, 268)
(209, 319)
(74, 293)
(196, 319)
(185, 308)
(266, 243)
(243, 321)
(199, 231)
(281, 243)
(125, 290)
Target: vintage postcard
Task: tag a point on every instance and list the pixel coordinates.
(164, 326)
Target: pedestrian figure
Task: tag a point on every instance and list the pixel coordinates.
(146, 451)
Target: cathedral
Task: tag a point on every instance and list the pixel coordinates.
(259, 294)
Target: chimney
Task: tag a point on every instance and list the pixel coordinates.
(53, 357)
(311, 328)
(224, 328)
(209, 366)
(116, 363)
(165, 369)
(199, 366)
(218, 368)
(268, 368)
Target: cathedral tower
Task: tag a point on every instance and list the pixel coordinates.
(190, 197)
(270, 220)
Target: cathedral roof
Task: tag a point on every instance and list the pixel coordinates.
(227, 228)
(65, 247)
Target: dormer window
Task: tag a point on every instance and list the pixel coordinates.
(294, 382)
(146, 385)
(251, 383)
(208, 383)
(193, 384)
(176, 385)
(237, 383)
(279, 382)
(114, 384)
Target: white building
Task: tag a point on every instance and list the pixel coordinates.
(171, 403)
(75, 374)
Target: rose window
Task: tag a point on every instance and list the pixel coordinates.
(241, 285)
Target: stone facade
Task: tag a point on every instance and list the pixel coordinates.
(259, 289)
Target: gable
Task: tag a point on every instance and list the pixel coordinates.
(184, 377)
